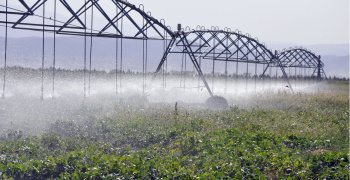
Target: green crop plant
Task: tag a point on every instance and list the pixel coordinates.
(273, 136)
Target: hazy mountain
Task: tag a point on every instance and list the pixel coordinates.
(319, 49)
(334, 56)
(336, 65)
(70, 52)
(330, 49)
(27, 52)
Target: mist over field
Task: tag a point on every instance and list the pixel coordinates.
(98, 116)
(22, 109)
(80, 97)
(79, 121)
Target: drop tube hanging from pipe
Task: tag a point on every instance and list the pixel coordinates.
(43, 56)
(92, 24)
(5, 62)
(84, 71)
(54, 51)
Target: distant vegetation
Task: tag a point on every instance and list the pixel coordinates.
(280, 136)
(23, 70)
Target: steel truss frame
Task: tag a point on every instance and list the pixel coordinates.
(220, 45)
(16, 12)
(124, 9)
(302, 58)
(217, 45)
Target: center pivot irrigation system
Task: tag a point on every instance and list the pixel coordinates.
(197, 44)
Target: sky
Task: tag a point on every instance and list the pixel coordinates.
(278, 23)
(298, 22)
(303, 22)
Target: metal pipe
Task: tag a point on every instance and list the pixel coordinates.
(226, 65)
(255, 76)
(236, 83)
(116, 54)
(182, 66)
(5, 62)
(143, 54)
(54, 50)
(263, 77)
(213, 72)
(92, 23)
(166, 61)
(319, 68)
(246, 76)
(84, 71)
(121, 56)
(43, 56)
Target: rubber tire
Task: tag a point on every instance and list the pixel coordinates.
(216, 102)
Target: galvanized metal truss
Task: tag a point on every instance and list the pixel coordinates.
(18, 12)
(217, 45)
(302, 58)
(142, 22)
(220, 45)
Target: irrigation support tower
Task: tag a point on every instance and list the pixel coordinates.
(197, 44)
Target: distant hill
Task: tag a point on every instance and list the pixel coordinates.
(336, 65)
(319, 49)
(330, 49)
(27, 52)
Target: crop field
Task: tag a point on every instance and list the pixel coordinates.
(270, 134)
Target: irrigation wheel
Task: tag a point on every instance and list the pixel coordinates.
(216, 102)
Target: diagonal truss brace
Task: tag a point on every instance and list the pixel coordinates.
(188, 50)
(29, 11)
